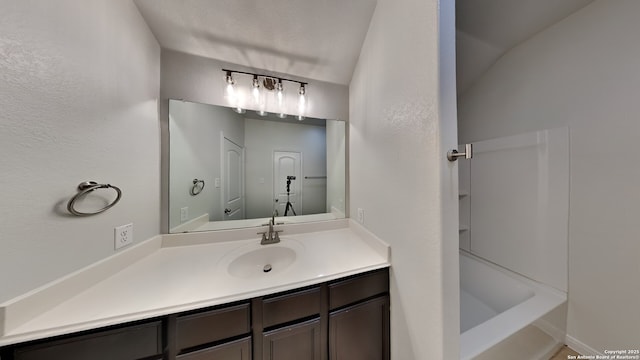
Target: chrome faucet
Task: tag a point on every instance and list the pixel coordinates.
(270, 237)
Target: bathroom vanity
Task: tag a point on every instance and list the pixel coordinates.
(346, 318)
(332, 302)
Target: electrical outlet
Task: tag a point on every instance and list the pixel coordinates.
(361, 215)
(123, 236)
(217, 183)
(184, 213)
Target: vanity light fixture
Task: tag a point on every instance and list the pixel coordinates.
(269, 83)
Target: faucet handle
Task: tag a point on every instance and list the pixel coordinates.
(264, 235)
(276, 236)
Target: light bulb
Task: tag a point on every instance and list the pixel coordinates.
(280, 93)
(302, 101)
(229, 90)
(256, 89)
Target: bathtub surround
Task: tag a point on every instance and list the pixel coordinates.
(516, 204)
(581, 73)
(399, 173)
(80, 83)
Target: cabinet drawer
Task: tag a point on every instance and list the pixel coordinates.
(289, 307)
(349, 291)
(207, 327)
(132, 342)
(235, 350)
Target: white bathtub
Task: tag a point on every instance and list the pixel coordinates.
(506, 316)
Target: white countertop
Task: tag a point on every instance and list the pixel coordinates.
(174, 273)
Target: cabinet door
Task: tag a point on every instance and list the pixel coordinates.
(360, 332)
(126, 343)
(236, 350)
(296, 342)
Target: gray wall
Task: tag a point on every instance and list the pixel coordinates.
(80, 81)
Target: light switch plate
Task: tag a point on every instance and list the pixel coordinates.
(123, 236)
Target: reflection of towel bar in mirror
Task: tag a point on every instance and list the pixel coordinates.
(87, 187)
(196, 189)
(315, 177)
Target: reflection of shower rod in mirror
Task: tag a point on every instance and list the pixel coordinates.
(289, 205)
(198, 186)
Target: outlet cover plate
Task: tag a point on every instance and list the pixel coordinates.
(361, 215)
(184, 214)
(123, 236)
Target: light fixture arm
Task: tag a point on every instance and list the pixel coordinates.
(230, 72)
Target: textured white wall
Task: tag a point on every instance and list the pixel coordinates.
(195, 153)
(402, 118)
(262, 138)
(80, 82)
(581, 72)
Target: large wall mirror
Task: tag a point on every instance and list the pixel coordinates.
(230, 170)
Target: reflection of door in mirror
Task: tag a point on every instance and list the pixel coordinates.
(233, 180)
(285, 165)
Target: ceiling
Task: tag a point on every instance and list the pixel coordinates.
(319, 39)
(486, 29)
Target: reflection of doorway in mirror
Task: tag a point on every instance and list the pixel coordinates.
(287, 163)
(232, 180)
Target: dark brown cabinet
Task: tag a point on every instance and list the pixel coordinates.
(345, 319)
(360, 332)
(359, 317)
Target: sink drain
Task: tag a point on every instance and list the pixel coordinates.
(267, 268)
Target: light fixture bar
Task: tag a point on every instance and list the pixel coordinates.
(229, 72)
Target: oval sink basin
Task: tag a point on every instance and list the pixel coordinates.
(257, 260)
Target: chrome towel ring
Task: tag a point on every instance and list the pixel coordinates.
(198, 186)
(87, 187)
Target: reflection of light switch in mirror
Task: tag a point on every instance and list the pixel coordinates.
(217, 183)
(261, 181)
(184, 214)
